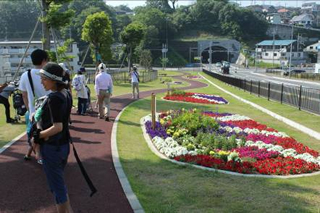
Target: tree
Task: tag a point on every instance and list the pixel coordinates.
(53, 17)
(97, 31)
(145, 59)
(163, 5)
(21, 15)
(132, 36)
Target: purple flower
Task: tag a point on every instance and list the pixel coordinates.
(159, 130)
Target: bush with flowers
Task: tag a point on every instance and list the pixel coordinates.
(182, 96)
(230, 142)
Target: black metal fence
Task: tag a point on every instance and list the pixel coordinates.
(303, 98)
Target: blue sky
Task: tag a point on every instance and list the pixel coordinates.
(291, 3)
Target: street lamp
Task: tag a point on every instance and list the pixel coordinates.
(210, 55)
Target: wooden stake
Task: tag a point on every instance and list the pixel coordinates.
(153, 110)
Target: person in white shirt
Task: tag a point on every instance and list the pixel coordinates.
(33, 89)
(103, 87)
(134, 74)
(79, 84)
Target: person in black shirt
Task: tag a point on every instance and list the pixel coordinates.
(51, 132)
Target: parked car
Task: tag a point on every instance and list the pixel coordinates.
(294, 72)
(218, 64)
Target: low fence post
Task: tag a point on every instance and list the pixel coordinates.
(269, 91)
(251, 87)
(300, 98)
(258, 88)
(153, 110)
(281, 99)
(245, 85)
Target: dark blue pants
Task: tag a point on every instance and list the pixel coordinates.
(82, 106)
(54, 161)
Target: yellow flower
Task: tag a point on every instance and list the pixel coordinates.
(162, 121)
(221, 152)
(211, 153)
(176, 134)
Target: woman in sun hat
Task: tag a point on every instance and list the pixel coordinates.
(51, 132)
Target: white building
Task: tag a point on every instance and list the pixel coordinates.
(11, 53)
(278, 52)
(312, 48)
(274, 18)
(304, 20)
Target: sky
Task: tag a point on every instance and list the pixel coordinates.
(285, 3)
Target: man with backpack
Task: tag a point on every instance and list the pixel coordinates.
(32, 89)
(5, 91)
(134, 74)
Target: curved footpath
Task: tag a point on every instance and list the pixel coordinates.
(23, 186)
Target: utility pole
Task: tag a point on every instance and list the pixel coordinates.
(273, 38)
(290, 51)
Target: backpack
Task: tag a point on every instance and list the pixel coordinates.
(77, 84)
(18, 103)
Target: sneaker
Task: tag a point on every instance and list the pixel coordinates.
(40, 161)
(107, 119)
(26, 158)
(10, 121)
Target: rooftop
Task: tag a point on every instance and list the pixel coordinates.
(275, 42)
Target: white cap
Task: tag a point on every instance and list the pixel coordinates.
(102, 67)
(63, 66)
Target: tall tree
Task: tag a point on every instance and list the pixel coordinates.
(18, 18)
(97, 31)
(53, 16)
(132, 36)
(162, 5)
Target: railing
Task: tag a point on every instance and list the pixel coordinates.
(123, 76)
(303, 98)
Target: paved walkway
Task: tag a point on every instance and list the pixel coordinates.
(23, 184)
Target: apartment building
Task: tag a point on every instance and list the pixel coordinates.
(11, 53)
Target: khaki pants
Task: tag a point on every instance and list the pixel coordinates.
(104, 101)
(135, 87)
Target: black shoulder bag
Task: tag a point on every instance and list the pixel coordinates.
(82, 169)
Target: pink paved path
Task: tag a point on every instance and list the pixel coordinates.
(23, 185)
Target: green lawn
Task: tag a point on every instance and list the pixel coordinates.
(165, 187)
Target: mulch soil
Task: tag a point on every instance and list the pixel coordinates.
(23, 186)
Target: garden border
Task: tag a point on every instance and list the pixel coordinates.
(7, 145)
(131, 196)
(162, 156)
(287, 121)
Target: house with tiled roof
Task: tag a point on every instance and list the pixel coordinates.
(305, 20)
(278, 52)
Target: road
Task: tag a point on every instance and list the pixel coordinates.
(260, 75)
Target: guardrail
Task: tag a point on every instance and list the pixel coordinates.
(303, 98)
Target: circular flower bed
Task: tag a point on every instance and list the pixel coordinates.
(229, 142)
(177, 95)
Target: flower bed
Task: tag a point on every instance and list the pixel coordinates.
(195, 97)
(230, 142)
(193, 77)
